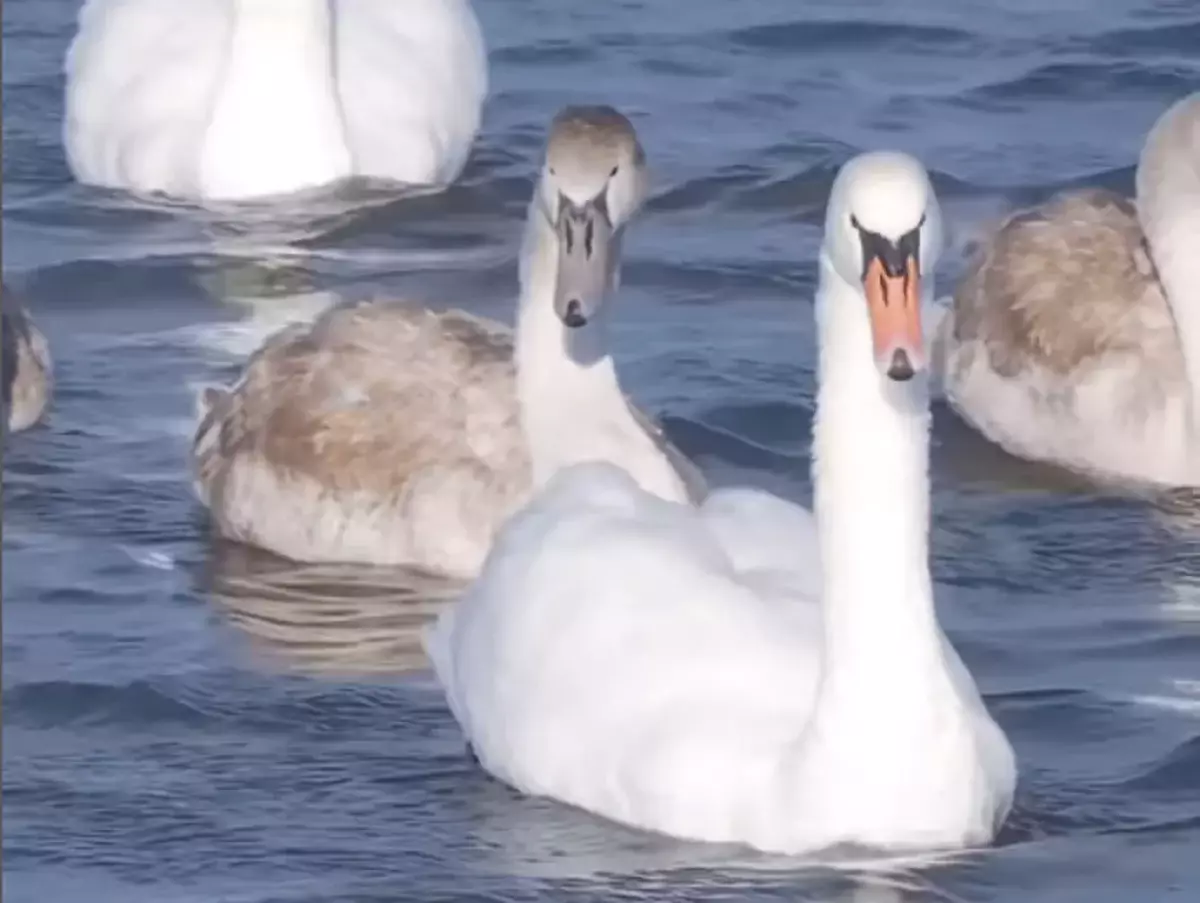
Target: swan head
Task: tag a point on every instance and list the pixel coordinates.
(592, 183)
(883, 235)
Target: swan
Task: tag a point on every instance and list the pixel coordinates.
(388, 434)
(28, 376)
(232, 100)
(620, 654)
(1074, 337)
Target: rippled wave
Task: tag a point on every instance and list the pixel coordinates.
(187, 720)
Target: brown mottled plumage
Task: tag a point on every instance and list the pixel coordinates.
(27, 377)
(320, 406)
(1073, 334)
(1063, 283)
(320, 400)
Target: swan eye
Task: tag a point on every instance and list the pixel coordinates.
(552, 172)
(922, 221)
(614, 170)
(854, 222)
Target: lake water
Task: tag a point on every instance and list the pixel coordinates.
(190, 723)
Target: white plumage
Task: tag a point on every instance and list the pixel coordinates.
(228, 100)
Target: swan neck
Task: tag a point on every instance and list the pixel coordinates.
(567, 387)
(871, 463)
(1168, 200)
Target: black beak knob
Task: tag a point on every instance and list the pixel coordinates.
(573, 316)
(901, 368)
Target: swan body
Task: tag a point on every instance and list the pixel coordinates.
(677, 669)
(387, 434)
(231, 100)
(1075, 336)
(28, 376)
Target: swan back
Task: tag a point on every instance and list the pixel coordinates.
(412, 79)
(140, 77)
(381, 433)
(329, 399)
(1063, 284)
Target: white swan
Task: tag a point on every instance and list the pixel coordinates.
(620, 654)
(388, 434)
(229, 100)
(1075, 336)
(28, 375)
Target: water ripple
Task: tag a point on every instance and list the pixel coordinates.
(188, 722)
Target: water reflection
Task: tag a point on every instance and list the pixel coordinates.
(300, 217)
(541, 840)
(326, 619)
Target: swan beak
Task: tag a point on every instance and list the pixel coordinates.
(585, 264)
(894, 305)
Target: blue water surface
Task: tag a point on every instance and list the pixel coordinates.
(191, 722)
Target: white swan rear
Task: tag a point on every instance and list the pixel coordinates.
(642, 660)
(230, 100)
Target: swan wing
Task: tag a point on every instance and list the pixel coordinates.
(763, 533)
(609, 656)
(412, 79)
(140, 76)
(1063, 285)
(382, 432)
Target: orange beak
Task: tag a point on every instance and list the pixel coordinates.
(894, 305)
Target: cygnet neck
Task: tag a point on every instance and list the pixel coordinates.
(1168, 198)
(870, 469)
(276, 121)
(572, 407)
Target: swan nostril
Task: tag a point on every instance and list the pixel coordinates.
(901, 368)
(573, 316)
